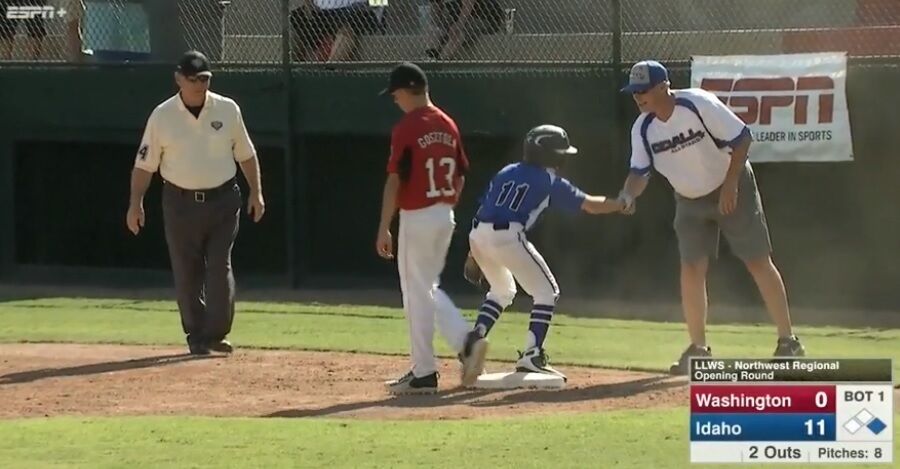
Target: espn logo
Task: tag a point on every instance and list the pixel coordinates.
(753, 99)
(14, 12)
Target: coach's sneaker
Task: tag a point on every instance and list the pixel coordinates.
(681, 367)
(535, 360)
(790, 347)
(472, 358)
(410, 384)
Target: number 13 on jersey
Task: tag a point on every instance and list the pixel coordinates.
(441, 176)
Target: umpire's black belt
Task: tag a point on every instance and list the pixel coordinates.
(497, 226)
(201, 196)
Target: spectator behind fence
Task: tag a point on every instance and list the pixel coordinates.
(74, 29)
(328, 30)
(459, 23)
(69, 13)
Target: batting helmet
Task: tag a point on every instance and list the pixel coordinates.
(548, 146)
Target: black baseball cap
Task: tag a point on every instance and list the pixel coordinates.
(403, 76)
(194, 63)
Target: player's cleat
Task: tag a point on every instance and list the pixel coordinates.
(535, 360)
(472, 358)
(410, 384)
(790, 347)
(681, 366)
(222, 346)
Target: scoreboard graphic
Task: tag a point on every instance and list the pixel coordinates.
(791, 410)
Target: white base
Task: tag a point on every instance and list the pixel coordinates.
(519, 380)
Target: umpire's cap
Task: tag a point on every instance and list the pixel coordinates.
(405, 75)
(194, 63)
(548, 146)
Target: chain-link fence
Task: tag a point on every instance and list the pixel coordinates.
(500, 32)
(678, 29)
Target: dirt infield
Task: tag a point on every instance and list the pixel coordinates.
(38, 380)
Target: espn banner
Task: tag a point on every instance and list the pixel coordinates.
(794, 104)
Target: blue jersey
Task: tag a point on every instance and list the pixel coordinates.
(521, 191)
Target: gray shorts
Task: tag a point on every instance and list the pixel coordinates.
(698, 223)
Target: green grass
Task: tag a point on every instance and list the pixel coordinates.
(583, 341)
(638, 439)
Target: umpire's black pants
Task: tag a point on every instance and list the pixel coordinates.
(201, 227)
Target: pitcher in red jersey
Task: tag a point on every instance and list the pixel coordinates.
(426, 174)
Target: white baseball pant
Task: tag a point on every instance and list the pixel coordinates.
(506, 256)
(424, 239)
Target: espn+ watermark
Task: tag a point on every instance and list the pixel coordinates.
(18, 12)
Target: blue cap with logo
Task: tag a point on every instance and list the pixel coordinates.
(645, 75)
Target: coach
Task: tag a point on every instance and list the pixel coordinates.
(701, 147)
(194, 139)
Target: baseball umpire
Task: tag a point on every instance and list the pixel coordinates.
(701, 147)
(194, 139)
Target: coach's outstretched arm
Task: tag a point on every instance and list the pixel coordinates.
(384, 245)
(634, 186)
(599, 204)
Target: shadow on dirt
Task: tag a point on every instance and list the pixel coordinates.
(473, 397)
(99, 368)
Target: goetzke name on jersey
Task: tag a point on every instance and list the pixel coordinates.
(437, 137)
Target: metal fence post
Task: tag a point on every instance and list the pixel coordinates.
(617, 34)
(618, 98)
(290, 166)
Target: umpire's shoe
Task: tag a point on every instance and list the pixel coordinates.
(197, 347)
(410, 384)
(472, 358)
(535, 360)
(221, 346)
(682, 365)
(790, 347)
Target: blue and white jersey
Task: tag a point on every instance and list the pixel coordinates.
(693, 148)
(521, 191)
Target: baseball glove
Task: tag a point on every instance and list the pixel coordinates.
(474, 275)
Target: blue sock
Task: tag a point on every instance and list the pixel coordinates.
(540, 323)
(488, 314)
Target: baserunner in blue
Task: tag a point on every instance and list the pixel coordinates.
(514, 200)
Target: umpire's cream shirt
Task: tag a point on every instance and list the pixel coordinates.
(195, 152)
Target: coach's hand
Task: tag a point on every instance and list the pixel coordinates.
(728, 197)
(384, 246)
(135, 218)
(628, 203)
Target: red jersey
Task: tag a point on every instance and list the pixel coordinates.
(427, 153)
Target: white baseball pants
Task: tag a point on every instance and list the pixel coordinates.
(424, 239)
(506, 256)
